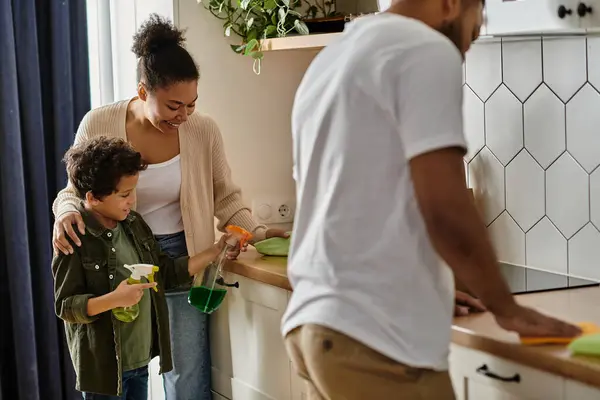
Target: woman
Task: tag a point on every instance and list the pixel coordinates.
(187, 184)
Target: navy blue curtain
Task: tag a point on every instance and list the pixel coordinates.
(44, 93)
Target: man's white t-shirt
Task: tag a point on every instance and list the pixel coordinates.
(361, 261)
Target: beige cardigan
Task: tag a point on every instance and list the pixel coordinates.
(206, 187)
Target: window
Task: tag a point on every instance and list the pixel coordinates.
(111, 26)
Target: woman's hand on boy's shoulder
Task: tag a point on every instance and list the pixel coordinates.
(63, 230)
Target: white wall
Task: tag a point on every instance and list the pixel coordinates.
(252, 111)
(532, 115)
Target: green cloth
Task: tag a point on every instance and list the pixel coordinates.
(95, 341)
(273, 247)
(588, 345)
(136, 336)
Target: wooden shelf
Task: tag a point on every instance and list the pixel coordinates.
(300, 42)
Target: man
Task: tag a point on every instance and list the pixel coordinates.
(383, 210)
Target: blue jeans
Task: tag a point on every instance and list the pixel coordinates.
(135, 387)
(190, 377)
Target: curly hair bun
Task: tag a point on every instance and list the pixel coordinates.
(155, 34)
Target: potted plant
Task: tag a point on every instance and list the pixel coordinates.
(255, 20)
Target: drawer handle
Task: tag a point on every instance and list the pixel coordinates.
(484, 370)
(222, 282)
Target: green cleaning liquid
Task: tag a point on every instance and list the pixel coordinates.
(205, 299)
(126, 314)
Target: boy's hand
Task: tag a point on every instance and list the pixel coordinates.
(126, 295)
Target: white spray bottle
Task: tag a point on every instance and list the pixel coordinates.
(129, 314)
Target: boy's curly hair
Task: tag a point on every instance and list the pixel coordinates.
(98, 165)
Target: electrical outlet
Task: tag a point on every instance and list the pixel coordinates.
(273, 210)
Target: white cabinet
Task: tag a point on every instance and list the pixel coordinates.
(155, 381)
(530, 16)
(220, 350)
(261, 367)
(541, 16)
(578, 391)
(590, 10)
(477, 375)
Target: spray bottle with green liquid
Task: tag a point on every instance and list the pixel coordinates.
(209, 289)
(129, 314)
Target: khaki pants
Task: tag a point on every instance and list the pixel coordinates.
(337, 367)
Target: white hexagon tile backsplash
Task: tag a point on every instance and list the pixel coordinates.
(532, 121)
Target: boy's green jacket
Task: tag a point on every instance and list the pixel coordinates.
(95, 342)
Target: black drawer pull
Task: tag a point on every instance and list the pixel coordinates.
(484, 370)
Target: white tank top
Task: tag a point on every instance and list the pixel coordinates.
(158, 196)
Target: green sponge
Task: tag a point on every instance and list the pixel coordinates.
(588, 345)
(273, 247)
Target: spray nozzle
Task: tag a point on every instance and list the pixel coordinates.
(145, 270)
(238, 235)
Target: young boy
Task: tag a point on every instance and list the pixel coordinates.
(111, 357)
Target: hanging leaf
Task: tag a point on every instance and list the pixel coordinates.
(244, 4)
(301, 27)
(286, 2)
(249, 22)
(250, 47)
(282, 15)
(295, 13)
(257, 55)
(237, 49)
(274, 19)
(228, 30)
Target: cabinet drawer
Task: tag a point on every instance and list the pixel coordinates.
(504, 376)
(579, 391)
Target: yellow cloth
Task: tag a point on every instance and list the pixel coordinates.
(588, 328)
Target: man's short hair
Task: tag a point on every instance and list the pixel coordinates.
(97, 165)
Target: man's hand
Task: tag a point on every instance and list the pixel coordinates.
(530, 323)
(464, 304)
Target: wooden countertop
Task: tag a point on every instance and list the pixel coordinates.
(269, 270)
(480, 331)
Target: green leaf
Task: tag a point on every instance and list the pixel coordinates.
(274, 19)
(249, 23)
(295, 13)
(257, 55)
(271, 30)
(252, 34)
(244, 4)
(270, 4)
(301, 27)
(250, 46)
